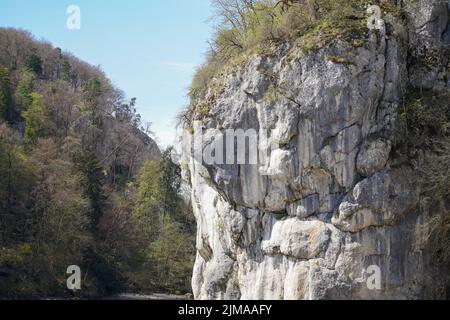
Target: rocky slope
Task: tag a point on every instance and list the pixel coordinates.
(337, 205)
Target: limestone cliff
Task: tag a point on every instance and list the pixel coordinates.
(338, 200)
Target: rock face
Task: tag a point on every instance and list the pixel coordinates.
(333, 207)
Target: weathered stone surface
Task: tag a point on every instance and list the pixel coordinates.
(373, 157)
(331, 202)
(382, 199)
(303, 240)
(428, 23)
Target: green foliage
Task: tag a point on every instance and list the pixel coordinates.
(281, 216)
(148, 197)
(43, 219)
(35, 64)
(340, 60)
(75, 191)
(423, 138)
(248, 27)
(5, 94)
(60, 210)
(106, 270)
(24, 91)
(164, 215)
(159, 188)
(92, 179)
(35, 117)
(13, 269)
(339, 20)
(93, 90)
(66, 71)
(171, 257)
(170, 183)
(16, 175)
(203, 77)
(126, 112)
(424, 117)
(258, 27)
(220, 225)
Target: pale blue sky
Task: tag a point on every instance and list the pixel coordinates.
(148, 48)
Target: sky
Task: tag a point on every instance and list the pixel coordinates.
(148, 48)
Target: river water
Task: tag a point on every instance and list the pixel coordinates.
(156, 296)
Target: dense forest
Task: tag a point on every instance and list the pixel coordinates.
(82, 183)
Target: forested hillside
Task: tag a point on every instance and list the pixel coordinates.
(81, 182)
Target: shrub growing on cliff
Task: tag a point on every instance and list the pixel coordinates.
(424, 119)
(424, 138)
(258, 26)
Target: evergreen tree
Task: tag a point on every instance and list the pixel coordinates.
(147, 207)
(66, 71)
(162, 212)
(93, 182)
(170, 183)
(5, 95)
(34, 64)
(93, 90)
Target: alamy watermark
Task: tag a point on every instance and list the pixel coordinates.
(231, 146)
(374, 21)
(74, 19)
(371, 277)
(74, 280)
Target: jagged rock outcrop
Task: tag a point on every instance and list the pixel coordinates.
(333, 202)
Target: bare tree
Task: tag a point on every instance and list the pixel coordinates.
(310, 4)
(232, 12)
